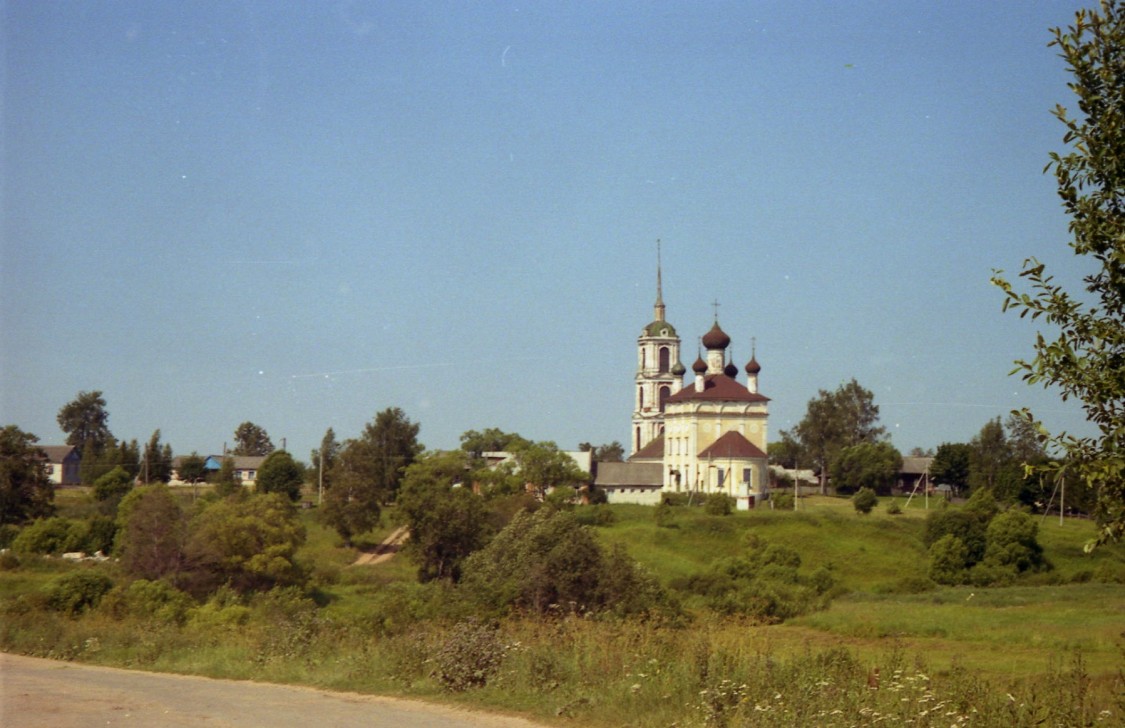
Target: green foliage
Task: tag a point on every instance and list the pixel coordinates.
(25, 490)
(1081, 355)
(951, 465)
(718, 504)
(323, 459)
(763, 584)
(225, 483)
(865, 500)
(250, 439)
(86, 422)
(834, 421)
(78, 591)
(280, 473)
(546, 561)
(152, 531)
(469, 657)
(101, 532)
(872, 465)
(966, 526)
(894, 509)
(491, 439)
(613, 452)
(156, 601)
(949, 560)
(112, 487)
(54, 535)
(446, 523)
(248, 544)
(1013, 541)
(368, 472)
(156, 461)
(782, 501)
(544, 466)
(192, 468)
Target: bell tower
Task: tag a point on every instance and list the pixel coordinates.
(659, 371)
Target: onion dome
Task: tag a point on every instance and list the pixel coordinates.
(700, 366)
(678, 369)
(730, 370)
(716, 338)
(752, 366)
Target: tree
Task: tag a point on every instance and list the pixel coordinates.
(86, 422)
(368, 472)
(833, 421)
(192, 468)
(225, 483)
(152, 530)
(543, 466)
(323, 459)
(157, 461)
(992, 464)
(491, 439)
(951, 465)
(248, 544)
(447, 522)
(1083, 354)
(112, 487)
(785, 452)
(873, 465)
(249, 439)
(865, 500)
(613, 452)
(280, 473)
(26, 491)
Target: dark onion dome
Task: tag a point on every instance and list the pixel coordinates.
(660, 329)
(700, 366)
(678, 369)
(730, 370)
(752, 366)
(716, 338)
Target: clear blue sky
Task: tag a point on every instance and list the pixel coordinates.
(300, 214)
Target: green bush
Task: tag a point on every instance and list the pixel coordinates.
(112, 487)
(77, 591)
(9, 561)
(894, 509)
(469, 657)
(595, 515)
(782, 501)
(865, 501)
(1012, 541)
(675, 499)
(55, 535)
(100, 533)
(8, 533)
(949, 560)
(149, 600)
(719, 504)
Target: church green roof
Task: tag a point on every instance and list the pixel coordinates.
(660, 328)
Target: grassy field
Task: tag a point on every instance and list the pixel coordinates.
(1046, 651)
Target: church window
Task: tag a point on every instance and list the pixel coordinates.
(640, 398)
(747, 476)
(665, 393)
(644, 358)
(664, 359)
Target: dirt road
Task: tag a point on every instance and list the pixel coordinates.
(37, 693)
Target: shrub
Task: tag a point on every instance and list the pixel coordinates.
(55, 535)
(965, 525)
(949, 560)
(149, 600)
(76, 592)
(865, 500)
(595, 515)
(1013, 541)
(675, 499)
(782, 501)
(469, 657)
(719, 504)
(9, 561)
(112, 487)
(8, 533)
(100, 533)
(894, 509)
(663, 514)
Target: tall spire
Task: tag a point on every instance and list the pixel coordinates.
(658, 309)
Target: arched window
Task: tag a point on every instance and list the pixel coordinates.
(665, 393)
(664, 356)
(644, 357)
(640, 398)
(637, 440)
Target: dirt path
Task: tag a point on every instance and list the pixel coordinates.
(386, 550)
(35, 693)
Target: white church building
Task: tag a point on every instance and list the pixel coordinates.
(706, 435)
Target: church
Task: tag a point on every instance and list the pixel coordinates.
(706, 435)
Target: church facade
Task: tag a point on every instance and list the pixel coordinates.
(708, 434)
